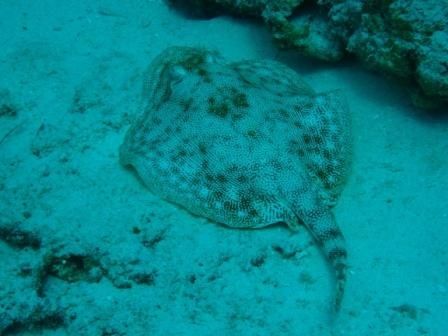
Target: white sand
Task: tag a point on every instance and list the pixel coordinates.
(74, 69)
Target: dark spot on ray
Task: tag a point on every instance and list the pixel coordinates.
(242, 179)
(336, 253)
(297, 124)
(331, 234)
(182, 153)
(276, 165)
(208, 80)
(307, 139)
(219, 109)
(284, 113)
(193, 61)
(251, 133)
(221, 178)
(318, 140)
(202, 72)
(239, 99)
(321, 174)
(202, 148)
(253, 213)
(204, 164)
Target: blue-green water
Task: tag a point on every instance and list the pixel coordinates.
(87, 249)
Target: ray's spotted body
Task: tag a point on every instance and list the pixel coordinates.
(246, 144)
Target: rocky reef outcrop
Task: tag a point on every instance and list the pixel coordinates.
(404, 39)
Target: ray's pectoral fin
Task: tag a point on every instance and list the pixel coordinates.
(271, 210)
(325, 141)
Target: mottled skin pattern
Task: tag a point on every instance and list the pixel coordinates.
(246, 144)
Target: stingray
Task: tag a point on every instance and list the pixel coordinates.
(246, 144)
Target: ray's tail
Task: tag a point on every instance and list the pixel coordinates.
(327, 234)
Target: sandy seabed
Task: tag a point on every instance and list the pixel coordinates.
(86, 249)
